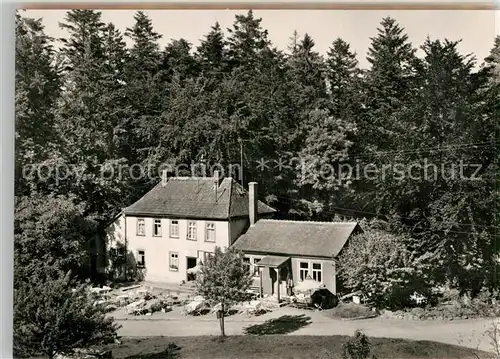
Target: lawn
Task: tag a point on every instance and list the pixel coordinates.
(282, 346)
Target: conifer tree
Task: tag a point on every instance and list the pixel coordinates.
(211, 54)
(246, 39)
(389, 83)
(92, 112)
(146, 85)
(38, 85)
(343, 77)
(178, 61)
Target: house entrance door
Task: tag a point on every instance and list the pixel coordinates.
(191, 263)
(274, 281)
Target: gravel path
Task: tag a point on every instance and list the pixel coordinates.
(469, 333)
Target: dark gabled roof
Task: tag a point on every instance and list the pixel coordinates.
(299, 238)
(195, 197)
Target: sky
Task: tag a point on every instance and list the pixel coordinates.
(476, 28)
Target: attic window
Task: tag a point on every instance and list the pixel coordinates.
(174, 229)
(141, 227)
(210, 232)
(157, 228)
(191, 231)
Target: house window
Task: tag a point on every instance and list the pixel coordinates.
(246, 263)
(174, 229)
(141, 227)
(256, 270)
(157, 228)
(316, 272)
(191, 235)
(207, 256)
(210, 235)
(174, 261)
(141, 258)
(303, 270)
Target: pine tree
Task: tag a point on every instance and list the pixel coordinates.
(246, 39)
(493, 59)
(307, 69)
(114, 97)
(146, 85)
(443, 207)
(211, 54)
(145, 52)
(343, 77)
(345, 88)
(92, 113)
(83, 47)
(37, 90)
(389, 83)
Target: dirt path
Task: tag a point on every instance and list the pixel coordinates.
(467, 333)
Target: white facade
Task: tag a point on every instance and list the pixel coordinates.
(169, 246)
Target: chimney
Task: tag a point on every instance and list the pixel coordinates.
(216, 183)
(164, 177)
(252, 202)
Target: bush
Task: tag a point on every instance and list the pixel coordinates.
(357, 347)
(456, 306)
(351, 310)
(379, 264)
(52, 315)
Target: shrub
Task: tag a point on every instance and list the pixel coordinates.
(53, 317)
(380, 265)
(357, 347)
(351, 310)
(454, 305)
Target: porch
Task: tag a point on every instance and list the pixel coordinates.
(275, 276)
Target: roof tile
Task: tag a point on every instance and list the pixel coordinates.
(318, 239)
(196, 197)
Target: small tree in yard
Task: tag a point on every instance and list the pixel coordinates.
(224, 280)
(53, 315)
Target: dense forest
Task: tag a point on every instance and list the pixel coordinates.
(93, 112)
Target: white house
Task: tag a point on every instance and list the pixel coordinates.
(182, 219)
(180, 222)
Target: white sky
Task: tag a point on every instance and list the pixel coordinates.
(476, 28)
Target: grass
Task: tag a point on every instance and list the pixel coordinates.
(281, 346)
(350, 311)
